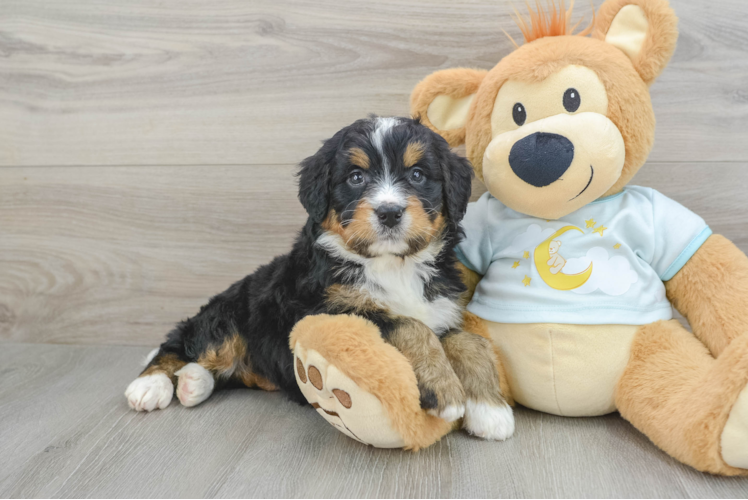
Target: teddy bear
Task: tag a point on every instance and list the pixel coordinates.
(556, 131)
(556, 263)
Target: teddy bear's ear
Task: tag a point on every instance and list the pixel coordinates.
(442, 101)
(645, 30)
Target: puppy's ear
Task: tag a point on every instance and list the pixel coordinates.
(458, 175)
(442, 101)
(645, 30)
(314, 180)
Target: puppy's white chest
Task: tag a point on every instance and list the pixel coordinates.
(399, 286)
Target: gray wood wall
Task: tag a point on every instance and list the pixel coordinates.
(147, 149)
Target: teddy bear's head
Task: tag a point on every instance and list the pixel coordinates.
(564, 119)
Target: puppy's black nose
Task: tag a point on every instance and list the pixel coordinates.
(541, 159)
(389, 215)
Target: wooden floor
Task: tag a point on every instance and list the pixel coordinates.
(67, 432)
(147, 152)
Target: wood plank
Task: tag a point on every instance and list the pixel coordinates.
(118, 255)
(67, 433)
(233, 82)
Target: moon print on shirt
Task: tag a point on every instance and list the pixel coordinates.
(549, 264)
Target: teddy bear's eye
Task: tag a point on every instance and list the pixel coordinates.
(519, 114)
(572, 100)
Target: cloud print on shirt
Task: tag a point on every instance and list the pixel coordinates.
(528, 240)
(610, 276)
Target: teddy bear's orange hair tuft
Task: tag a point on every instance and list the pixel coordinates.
(551, 20)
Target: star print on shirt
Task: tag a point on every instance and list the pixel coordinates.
(526, 255)
(527, 280)
(617, 246)
(599, 229)
(590, 223)
(515, 265)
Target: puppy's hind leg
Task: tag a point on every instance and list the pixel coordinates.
(154, 387)
(218, 363)
(487, 414)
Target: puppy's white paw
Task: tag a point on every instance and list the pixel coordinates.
(150, 392)
(195, 384)
(450, 413)
(488, 421)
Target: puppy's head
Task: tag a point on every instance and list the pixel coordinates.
(385, 186)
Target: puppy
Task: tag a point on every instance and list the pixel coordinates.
(385, 197)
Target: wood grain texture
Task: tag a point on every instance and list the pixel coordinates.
(147, 152)
(118, 255)
(67, 432)
(190, 82)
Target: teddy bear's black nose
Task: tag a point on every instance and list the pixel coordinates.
(541, 159)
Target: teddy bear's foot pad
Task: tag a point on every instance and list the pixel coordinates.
(735, 434)
(339, 400)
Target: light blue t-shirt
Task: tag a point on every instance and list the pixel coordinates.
(603, 264)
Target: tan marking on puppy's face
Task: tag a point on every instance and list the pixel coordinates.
(359, 233)
(422, 228)
(413, 154)
(359, 158)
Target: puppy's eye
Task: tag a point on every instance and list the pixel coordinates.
(356, 178)
(519, 114)
(417, 175)
(572, 100)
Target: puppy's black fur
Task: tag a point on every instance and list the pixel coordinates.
(263, 307)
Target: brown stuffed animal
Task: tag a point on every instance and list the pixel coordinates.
(556, 130)
(574, 272)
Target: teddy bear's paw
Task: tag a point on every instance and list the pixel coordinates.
(338, 399)
(734, 440)
(150, 392)
(488, 421)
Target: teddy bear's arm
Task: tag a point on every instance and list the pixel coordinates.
(711, 291)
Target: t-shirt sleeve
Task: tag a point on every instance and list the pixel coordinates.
(475, 249)
(678, 234)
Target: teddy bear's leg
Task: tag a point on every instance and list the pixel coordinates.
(688, 403)
(360, 384)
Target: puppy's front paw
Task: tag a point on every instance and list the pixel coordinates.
(443, 398)
(488, 421)
(150, 392)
